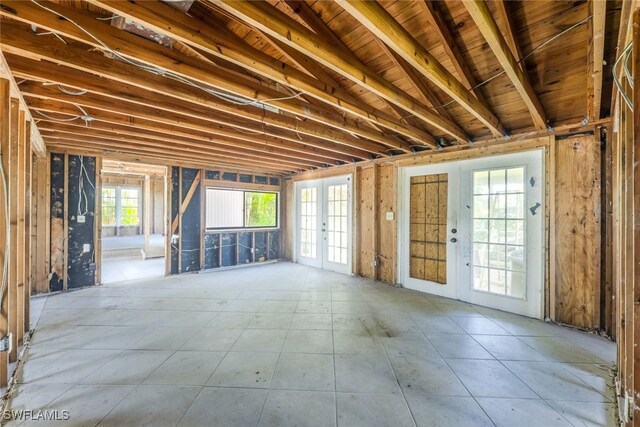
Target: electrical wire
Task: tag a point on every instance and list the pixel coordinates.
(624, 54)
(234, 99)
(5, 267)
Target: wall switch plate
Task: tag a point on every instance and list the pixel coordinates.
(81, 219)
(389, 216)
(6, 343)
(86, 248)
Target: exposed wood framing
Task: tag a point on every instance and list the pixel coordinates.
(481, 15)
(186, 200)
(598, 11)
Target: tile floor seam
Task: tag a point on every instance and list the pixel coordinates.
(463, 384)
(115, 406)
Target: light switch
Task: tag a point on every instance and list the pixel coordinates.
(389, 216)
(86, 248)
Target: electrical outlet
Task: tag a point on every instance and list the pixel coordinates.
(389, 216)
(81, 219)
(86, 248)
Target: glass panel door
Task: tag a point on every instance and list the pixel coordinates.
(308, 217)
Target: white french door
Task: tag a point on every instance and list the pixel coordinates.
(324, 216)
(494, 231)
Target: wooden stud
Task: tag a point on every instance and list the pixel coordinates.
(97, 222)
(5, 295)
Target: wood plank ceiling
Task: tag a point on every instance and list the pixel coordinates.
(287, 86)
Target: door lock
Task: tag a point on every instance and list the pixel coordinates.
(453, 240)
(454, 230)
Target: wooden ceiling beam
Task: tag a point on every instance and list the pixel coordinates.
(448, 42)
(481, 15)
(221, 43)
(158, 90)
(236, 147)
(282, 27)
(151, 148)
(182, 27)
(122, 112)
(598, 11)
(155, 55)
(115, 152)
(508, 31)
(375, 18)
(177, 146)
(186, 120)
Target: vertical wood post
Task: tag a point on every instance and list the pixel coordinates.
(5, 142)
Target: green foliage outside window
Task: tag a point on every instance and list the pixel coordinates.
(261, 209)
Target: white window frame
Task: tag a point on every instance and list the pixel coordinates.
(244, 227)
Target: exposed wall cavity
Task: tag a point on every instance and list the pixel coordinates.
(72, 221)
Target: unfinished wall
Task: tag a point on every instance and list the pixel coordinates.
(574, 282)
(72, 221)
(577, 231)
(196, 248)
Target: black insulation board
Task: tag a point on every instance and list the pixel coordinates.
(229, 176)
(261, 179)
(245, 178)
(274, 181)
(260, 249)
(175, 204)
(274, 244)
(211, 251)
(57, 209)
(212, 174)
(190, 250)
(81, 202)
(245, 248)
(228, 246)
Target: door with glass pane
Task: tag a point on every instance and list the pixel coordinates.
(336, 236)
(429, 228)
(323, 232)
(502, 232)
(309, 212)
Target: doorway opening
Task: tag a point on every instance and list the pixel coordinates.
(132, 220)
(324, 223)
(473, 230)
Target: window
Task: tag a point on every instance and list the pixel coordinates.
(108, 206)
(120, 206)
(129, 198)
(308, 221)
(241, 209)
(337, 223)
(498, 231)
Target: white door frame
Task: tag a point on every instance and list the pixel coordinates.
(459, 280)
(321, 184)
(404, 184)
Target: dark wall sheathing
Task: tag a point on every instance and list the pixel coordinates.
(57, 222)
(190, 227)
(80, 173)
(175, 206)
(220, 249)
(211, 251)
(81, 239)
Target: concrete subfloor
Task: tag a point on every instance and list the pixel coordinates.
(122, 269)
(114, 243)
(285, 345)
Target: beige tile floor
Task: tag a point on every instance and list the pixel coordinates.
(285, 345)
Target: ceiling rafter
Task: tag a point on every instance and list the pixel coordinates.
(508, 31)
(129, 107)
(308, 16)
(205, 142)
(162, 91)
(159, 56)
(377, 20)
(178, 144)
(221, 43)
(448, 42)
(481, 15)
(598, 11)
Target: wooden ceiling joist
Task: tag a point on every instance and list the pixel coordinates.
(448, 43)
(104, 130)
(159, 90)
(598, 9)
(282, 27)
(481, 15)
(375, 18)
(163, 58)
(220, 43)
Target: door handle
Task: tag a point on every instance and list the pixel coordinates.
(453, 240)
